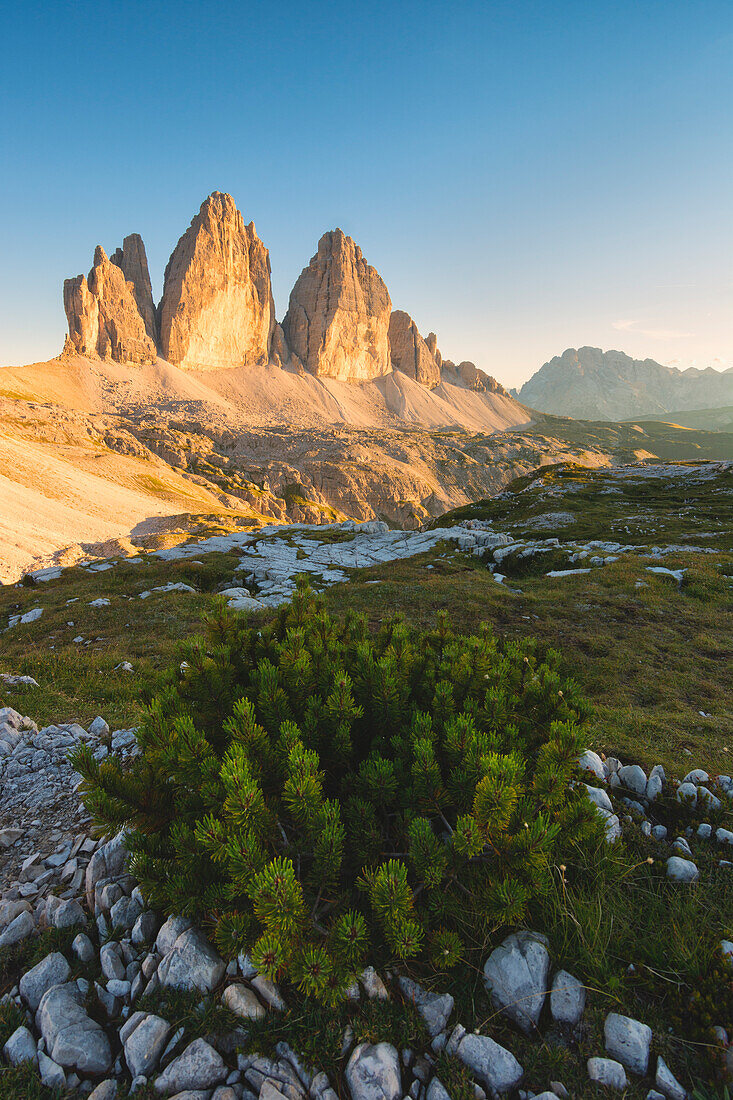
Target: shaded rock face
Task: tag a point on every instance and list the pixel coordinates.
(337, 322)
(103, 315)
(591, 384)
(410, 353)
(133, 261)
(217, 309)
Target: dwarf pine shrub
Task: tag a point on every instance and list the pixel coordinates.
(313, 789)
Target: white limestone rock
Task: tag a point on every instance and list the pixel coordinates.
(373, 1072)
(53, 970)
(192, 965)
(629, 1041)
(567, 999)
(607, 1072)
(515, 976)
(198, 1067)
(495, 1066)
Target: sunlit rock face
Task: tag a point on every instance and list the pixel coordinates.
(337, 322)
(217, 309)
(103, 315)
(410, 353)
(133, 261)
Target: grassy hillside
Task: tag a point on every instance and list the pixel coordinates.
(651, 654)
(709, 420)
(630, 440)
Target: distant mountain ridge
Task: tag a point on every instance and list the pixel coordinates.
(591, 384)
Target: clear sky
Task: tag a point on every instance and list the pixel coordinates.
(526, 176)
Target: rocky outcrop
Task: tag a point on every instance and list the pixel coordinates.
(337, 322)
(104, 317)
(133, 261)
(468, 375)
(217, 308)
(410, 353)
(432, 341)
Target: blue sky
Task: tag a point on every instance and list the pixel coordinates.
(525, 176)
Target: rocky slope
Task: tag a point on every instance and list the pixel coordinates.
(97, 460)
(591, 384)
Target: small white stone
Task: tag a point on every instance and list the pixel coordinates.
(629, 1041)
(667, 1083)
(567, 998)
(607, 1072)
(681, 870)
(591, 762)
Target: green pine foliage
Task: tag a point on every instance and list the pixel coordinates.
(313, 790)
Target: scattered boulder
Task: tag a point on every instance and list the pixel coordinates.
(591, 762)
(435, 1008)
(20, 1047)
(243, 1002)
(145, 1044)
(682, 870)
(18, 929)
(73, 1039)
(52, 1075)
(608, 1072)
(633, 778)
(191, 964)
(53, 970)
(687, 793)
(667, 1083)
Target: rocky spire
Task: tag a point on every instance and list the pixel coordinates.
(410, 353)
(103, 315)
(337, 322)
(217, 308)
(432, 341)
(131, 258)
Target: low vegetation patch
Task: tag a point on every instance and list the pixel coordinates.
(312, 790)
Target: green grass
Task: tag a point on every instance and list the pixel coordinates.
(641, 511)
(79, 681)
(663, 440)
(650, 659)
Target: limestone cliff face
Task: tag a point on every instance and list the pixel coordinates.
(217, 308)
(337, 322)
(133, 261)
(410, 353)
(103, 315)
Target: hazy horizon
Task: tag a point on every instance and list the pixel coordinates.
(523, 183)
